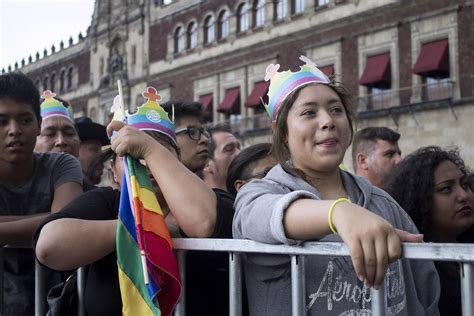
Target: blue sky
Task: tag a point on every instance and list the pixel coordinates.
(28, 26)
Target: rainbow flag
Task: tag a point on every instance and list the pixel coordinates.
(148, 269)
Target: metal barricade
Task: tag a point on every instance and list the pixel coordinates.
(463, 253)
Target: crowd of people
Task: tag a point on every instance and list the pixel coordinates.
(292, 190)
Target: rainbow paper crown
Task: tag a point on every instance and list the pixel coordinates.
(149, 116)
(283, 83)
(53, 107)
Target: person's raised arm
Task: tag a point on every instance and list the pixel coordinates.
(191, 202)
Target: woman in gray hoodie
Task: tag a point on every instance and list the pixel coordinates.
(308, 197)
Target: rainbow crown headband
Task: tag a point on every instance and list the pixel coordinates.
(285, 82)
(149, 116)
(53, 107)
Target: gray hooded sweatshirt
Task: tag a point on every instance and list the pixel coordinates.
(332, 287)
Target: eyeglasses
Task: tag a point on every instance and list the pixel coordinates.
(194, 132)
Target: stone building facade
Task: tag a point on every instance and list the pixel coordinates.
(408, 63)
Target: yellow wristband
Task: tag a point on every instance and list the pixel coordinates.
(331, 209)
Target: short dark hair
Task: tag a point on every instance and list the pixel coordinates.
(220, 128)
(20, 88)
(183, 109)
(240, 166)
(412, 184)
(365, 139)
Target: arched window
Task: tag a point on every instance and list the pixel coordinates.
(179, 40)
(281, 9)
(258, 13)
(62, 80)
(209, 29)
(70, 74)
(52, 82)
(243, 18)
(192, 35)
(45, 82)
(223, 29)
(297, 6)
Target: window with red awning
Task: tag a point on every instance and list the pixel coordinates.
(377, 71)
(259, 91)
(231, 102)
(433, 60)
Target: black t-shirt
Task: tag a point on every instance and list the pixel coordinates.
(207, 272)
(207, 286)
(102, 292)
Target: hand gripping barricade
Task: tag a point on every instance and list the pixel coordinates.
(463, 253)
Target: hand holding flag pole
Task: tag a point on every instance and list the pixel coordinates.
(137, 211)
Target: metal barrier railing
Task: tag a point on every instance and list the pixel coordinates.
(424, 251)
(463, 253)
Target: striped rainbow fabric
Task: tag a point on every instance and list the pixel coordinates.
(148, 269)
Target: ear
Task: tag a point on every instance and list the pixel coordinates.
(112, 173)
(238, 184)
(362, 161)
(209, 167)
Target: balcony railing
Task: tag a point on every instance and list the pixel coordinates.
(383, 99)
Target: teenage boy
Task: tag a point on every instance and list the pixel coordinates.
(32, 185)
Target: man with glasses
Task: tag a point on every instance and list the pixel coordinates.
(192, 138)
(207, 275)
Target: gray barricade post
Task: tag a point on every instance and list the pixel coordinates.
(235, 285)
(467, 284)
(81, 285)
(180, 309)
(40, 289)
(297, 286)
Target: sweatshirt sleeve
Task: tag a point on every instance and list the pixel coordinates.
(259, 210)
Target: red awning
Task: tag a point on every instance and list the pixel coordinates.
(259, 91)
(206, 101)
(434, 57)
(327, 70)
(377, 70)
(231, 102)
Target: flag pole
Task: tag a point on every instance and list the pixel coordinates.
(138, 215)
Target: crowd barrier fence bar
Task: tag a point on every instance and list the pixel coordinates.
(463, 253)
(467, 291)
(235, 284)
(81, 286)
(180, 309)
(40, 289)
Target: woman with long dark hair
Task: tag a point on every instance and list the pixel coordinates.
(432, 185)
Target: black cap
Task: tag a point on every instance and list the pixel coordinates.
(89, 130)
